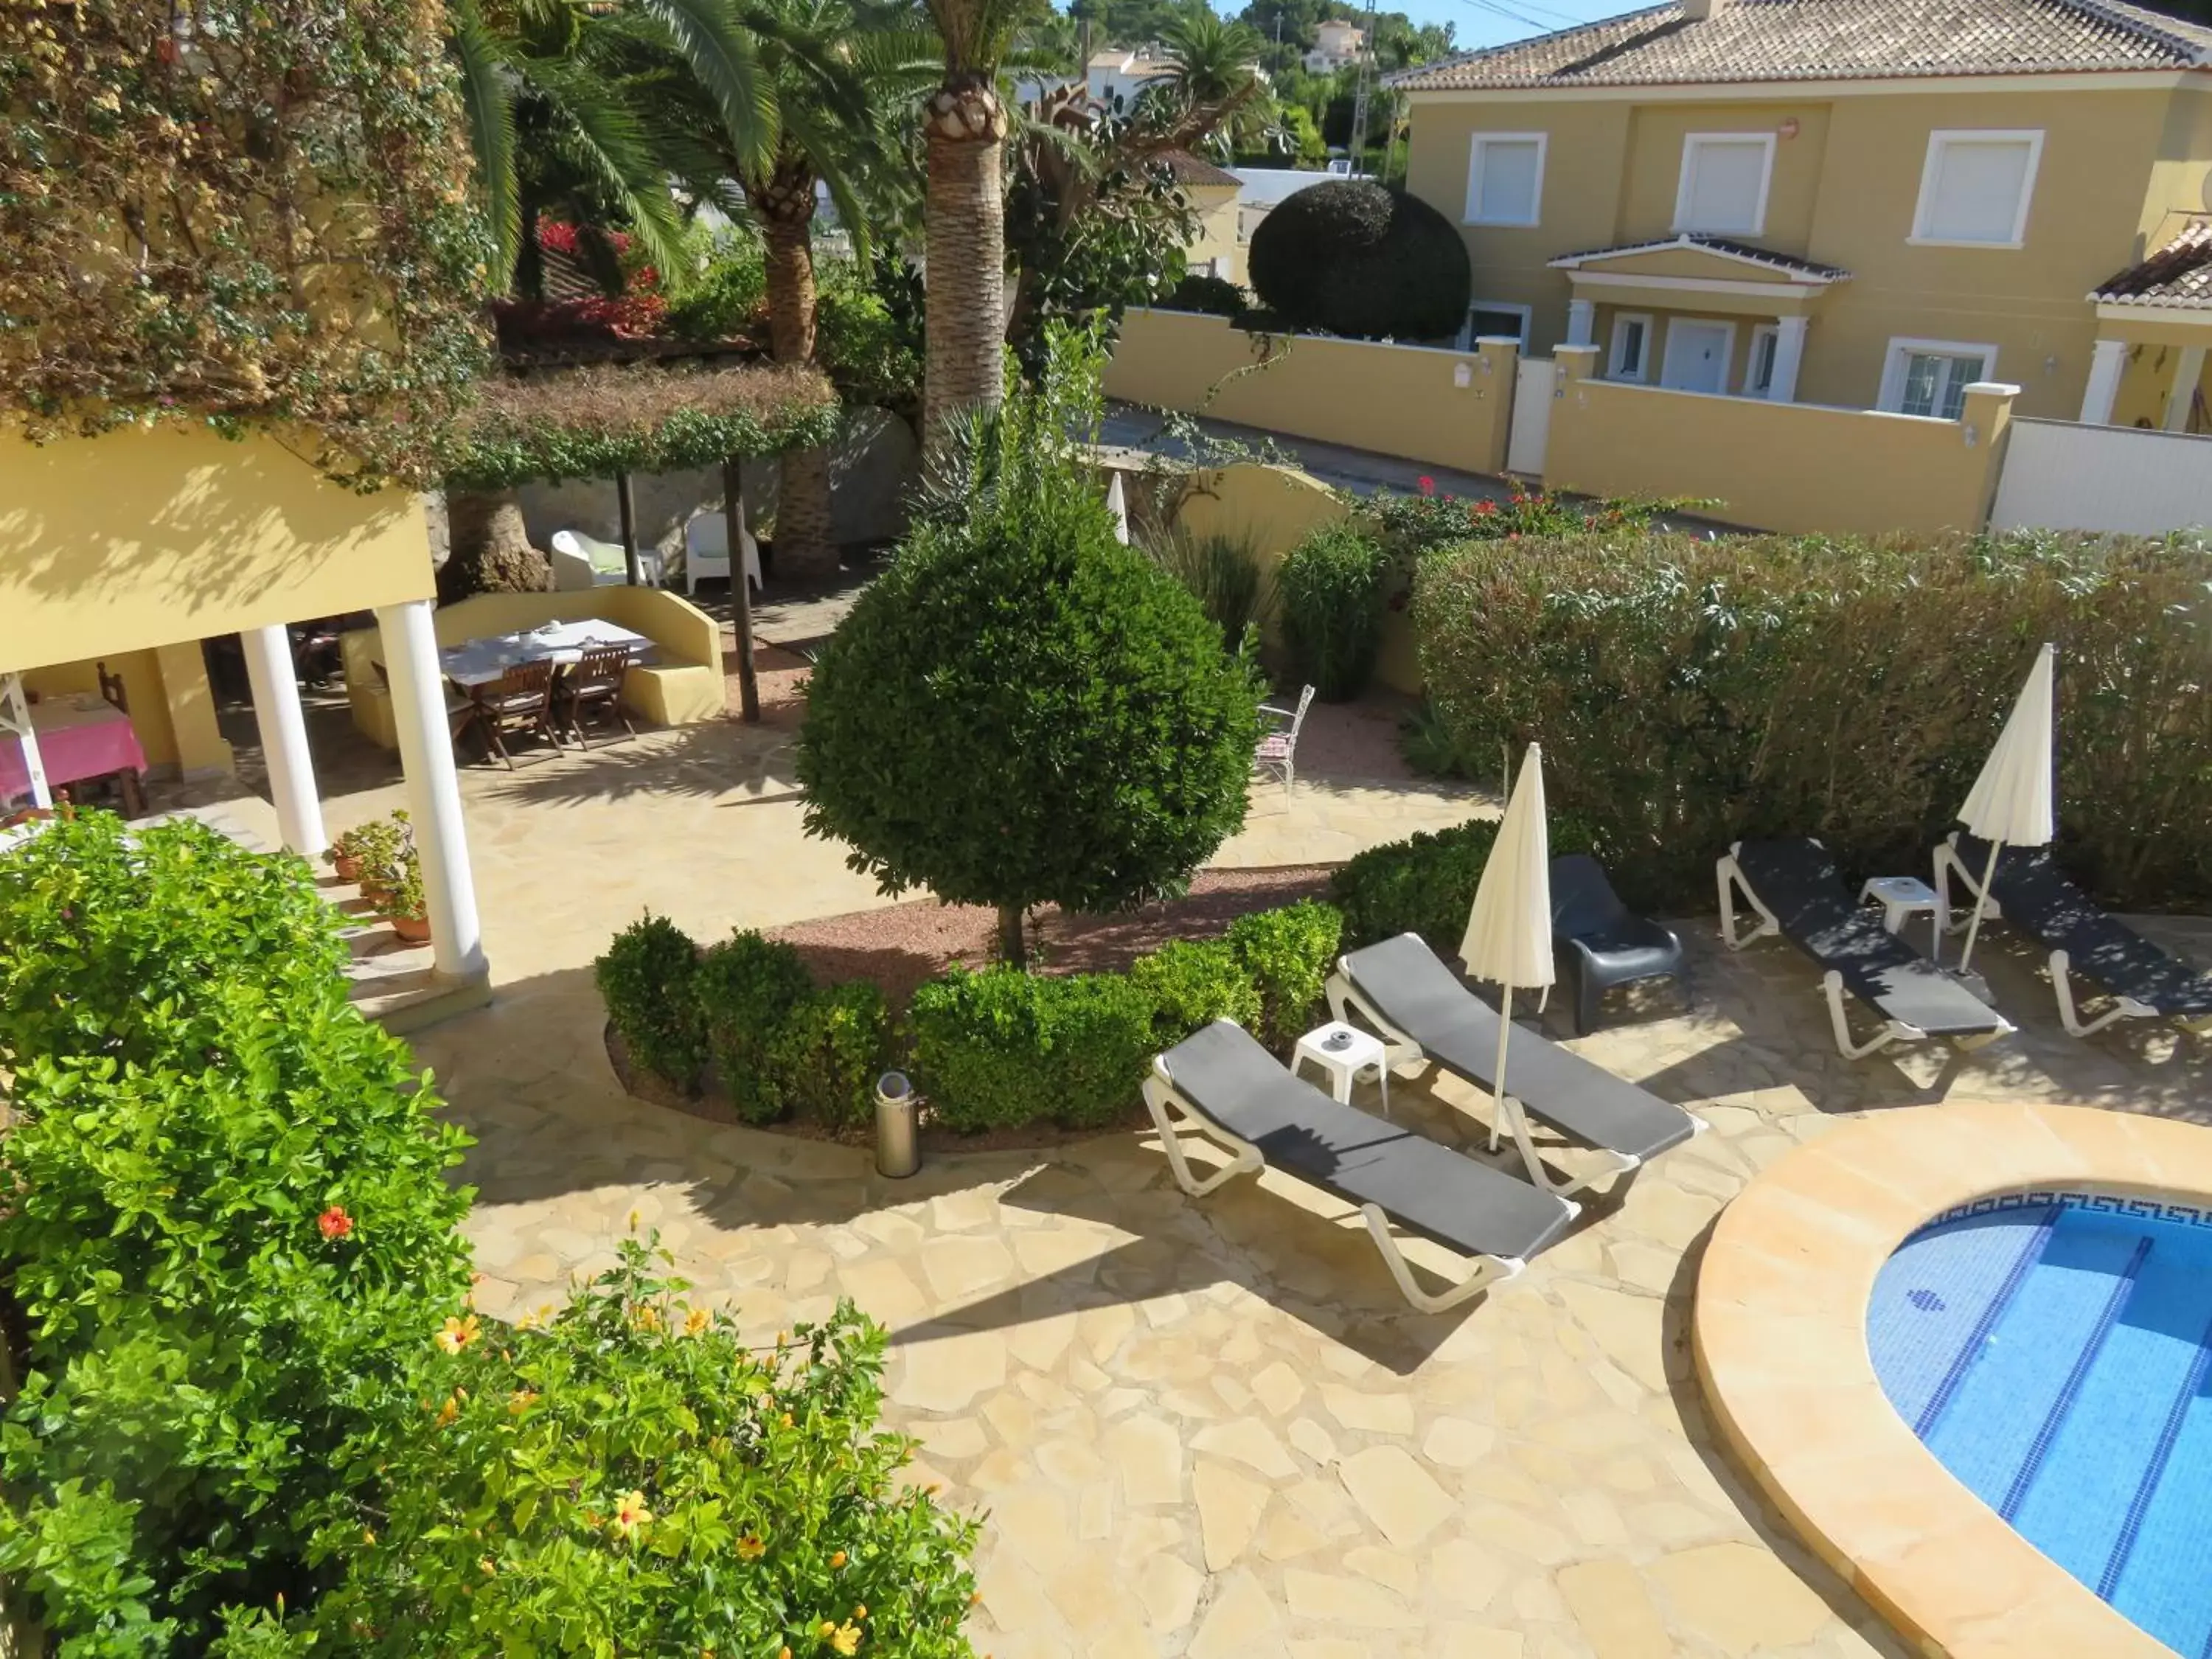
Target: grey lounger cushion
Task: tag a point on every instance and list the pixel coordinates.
(2037, 895)
(1424, 1187)
(1424, 999)
(1799, 883)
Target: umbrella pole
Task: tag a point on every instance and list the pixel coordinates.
(1498, 1076)
(1981, 898)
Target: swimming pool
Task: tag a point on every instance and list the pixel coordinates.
(2054, 1351)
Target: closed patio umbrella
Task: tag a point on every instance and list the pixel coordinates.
(1509, 931)
(1117, 503)
(2011, 799)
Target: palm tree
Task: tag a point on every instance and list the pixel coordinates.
(964, 231)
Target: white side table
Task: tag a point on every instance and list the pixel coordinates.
(1347, 1054)
(1900, 896)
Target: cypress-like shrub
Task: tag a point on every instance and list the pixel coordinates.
(1689, 692)
(1330, 592)
(1352, 257)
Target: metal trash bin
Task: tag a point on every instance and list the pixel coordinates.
(898, 1147)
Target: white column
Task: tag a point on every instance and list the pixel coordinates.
(434, 790)
(284, 737)
(2188, 370)
(2108, 361)
(16, 722)
(1789, 358)
(1581, 322)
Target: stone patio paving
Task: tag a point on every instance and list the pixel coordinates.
(1204, 1428)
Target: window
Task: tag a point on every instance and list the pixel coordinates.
(1505, 178)
(1974, 188)
(1484, 319)
(1632, 349)
(1758, 367)
(1930, 377)
(1723, 186)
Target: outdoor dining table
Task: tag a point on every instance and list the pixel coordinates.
(81, 736)
(481, 661)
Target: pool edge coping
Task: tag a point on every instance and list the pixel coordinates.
(1779, 1336)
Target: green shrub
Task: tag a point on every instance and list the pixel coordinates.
(1330, 589)
(1287, 952)
(1426, 883)
(1003, 1048)
(1213, 296)
(225, 1227)
(746, 989)
(823, 1061)
(1192, 983)
(1435, 749)
(1689, 692)
(1222, 573)
(1020, 710)
(1351, 258)
(647, 978)
(633, 1477)
(729, 298)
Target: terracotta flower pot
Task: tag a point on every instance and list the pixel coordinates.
(415, 930)
(345, 868)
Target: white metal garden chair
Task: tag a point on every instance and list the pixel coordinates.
(1277, 755)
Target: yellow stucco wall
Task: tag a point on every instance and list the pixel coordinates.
(1792, 467)
(147, 538)
(1395, 400)
(172, 705)
(2115, 166)
(1217, 229)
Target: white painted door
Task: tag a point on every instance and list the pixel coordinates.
(1697, 356)
(1533, 381)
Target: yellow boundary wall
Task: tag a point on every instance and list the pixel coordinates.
(1446, 408)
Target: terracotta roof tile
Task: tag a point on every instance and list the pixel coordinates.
(2178, 275)
(1831, 40)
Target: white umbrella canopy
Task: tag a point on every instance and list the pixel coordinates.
(1117, 503)
(2011, 800)
(1509, 931)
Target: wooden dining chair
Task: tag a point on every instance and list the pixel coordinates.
(520, 700)
(110, 686)
(594, 686)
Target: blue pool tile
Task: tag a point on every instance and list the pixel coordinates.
(1934, 1294)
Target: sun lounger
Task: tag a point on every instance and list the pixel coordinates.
(2031, 892)
(1421, 1009)
(1798, 891)
(1226, 1086)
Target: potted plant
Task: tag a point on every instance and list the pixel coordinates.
(402, 903)
(370, 853)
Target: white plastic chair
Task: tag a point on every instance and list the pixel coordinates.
(707, 552)
(581, 560)
(1278, 753)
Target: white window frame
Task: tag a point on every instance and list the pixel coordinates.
(1542, 141)
(1892, 398)
(1762, 331)
(1728, 352)
(1613, 355)
(1691, 141)
(1527, 314)
(2032, 137)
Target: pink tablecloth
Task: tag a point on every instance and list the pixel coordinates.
(80, 737)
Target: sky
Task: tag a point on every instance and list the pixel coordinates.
(1494, 22)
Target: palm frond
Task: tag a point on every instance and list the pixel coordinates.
(487, 92)
(723, 57)
(603, 139)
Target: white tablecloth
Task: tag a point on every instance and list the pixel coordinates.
(479, 662)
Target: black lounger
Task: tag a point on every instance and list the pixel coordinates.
(2035, 894)
(1420, 1007)
(1798, 892)
(1231, 1088)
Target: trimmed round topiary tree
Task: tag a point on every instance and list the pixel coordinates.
(1352, 257)
(1021, 711)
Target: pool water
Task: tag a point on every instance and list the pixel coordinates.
(2054, 1351)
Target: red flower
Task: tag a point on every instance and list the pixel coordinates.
(1425, 484)
(334, 1222)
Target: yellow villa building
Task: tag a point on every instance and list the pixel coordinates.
(1863, 203)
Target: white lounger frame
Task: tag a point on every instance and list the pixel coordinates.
(1950, 864)
(1166, 1103)
(1398, 1049)
(1729, 875)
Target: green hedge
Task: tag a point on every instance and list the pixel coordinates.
(1426, 883)
(1288, 953)
(1689, 692)
(1330, 591)
(1003, 1048)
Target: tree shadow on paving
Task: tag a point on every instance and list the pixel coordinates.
(1743, 1493)
(748, 764)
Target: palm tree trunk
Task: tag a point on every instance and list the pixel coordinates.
(785, 206)
(965, 240)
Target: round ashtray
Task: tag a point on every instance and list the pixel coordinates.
(1336, 1040)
